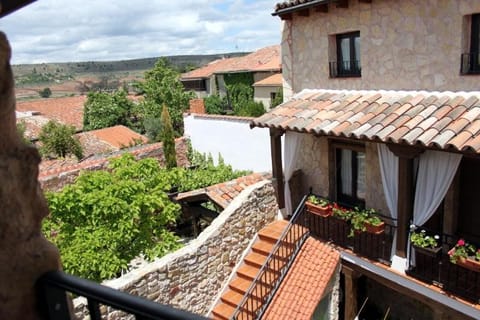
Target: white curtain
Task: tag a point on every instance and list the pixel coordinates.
(435, 174)
(436, 171)
(290, 156)
(389, 171)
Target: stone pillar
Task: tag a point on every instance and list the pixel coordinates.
(351, 277)
(24, 252)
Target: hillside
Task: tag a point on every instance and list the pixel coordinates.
(71, 78)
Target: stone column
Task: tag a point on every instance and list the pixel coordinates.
(24, 252)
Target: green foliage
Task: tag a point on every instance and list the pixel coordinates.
(245, 78)
(21, 128)
(58, 140)
(251, 109)
(214, 104)
(45, 93)
(103, 110)
(162, 86)
(168, 140)
(423, 240)
(107, 218)
(153, 127)
(278, 98)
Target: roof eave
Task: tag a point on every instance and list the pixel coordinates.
(298, 7)
(7, 7)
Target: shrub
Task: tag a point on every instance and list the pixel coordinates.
(45, 93)
(168, 140)
(57, 140)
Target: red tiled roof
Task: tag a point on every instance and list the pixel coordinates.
(298, 4)
(118, 136)
(274, 80)
(223, 193)
(65, 110)
(439, 120)
(265, 59)
(305, 283)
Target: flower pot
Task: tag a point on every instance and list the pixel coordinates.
(469, 264)
(429, 252)
(325, 211)
(370, 228)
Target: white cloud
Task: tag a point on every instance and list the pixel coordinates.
(82, 30)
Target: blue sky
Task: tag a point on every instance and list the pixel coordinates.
(86, 30)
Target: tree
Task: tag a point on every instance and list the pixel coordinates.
(107, 218)
(57, 139)
(103, 110)
(45, 93)
(162, 86)
(278, 98)
(168, 140)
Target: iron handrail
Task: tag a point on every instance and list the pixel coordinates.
(53, 285)
(266, 267)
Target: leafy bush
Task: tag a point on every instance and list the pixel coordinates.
(57, 140)
(103, 110)
(251, 109)
(107, 218)
(45, 93)
(214, 104)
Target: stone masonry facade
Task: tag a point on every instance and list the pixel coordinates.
(405, 45)
(314, 162)
(191, 277)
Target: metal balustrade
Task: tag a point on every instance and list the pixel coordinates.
(434, 267)
(53, 287)
(263, 288)
(470, 63)
(345, 69)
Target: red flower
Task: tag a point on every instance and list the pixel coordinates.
(461, 243)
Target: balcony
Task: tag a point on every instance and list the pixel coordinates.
(345, 69)
(375, 246)
(435, 268)
(470, 63)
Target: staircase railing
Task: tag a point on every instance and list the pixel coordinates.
(263, 288)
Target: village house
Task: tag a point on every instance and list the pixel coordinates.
(382, 112)
(211, 79)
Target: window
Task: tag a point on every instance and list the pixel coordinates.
(350, 176)
(348, 56)
(471, 60)
(195, 85)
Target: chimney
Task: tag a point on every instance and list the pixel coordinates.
(197, 106)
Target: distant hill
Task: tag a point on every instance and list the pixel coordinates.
(181, 63)
(70, 78)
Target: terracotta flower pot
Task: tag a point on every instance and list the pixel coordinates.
(325, 211)
(370, 228)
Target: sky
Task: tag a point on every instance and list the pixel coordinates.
(100, 30)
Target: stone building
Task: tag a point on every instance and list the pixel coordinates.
(382, 113)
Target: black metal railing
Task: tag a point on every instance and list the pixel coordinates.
(375, 246)
(261, 291)
(345, 69)
(52, 290)
(433, 266)
(470, 63)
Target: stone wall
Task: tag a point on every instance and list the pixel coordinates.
(405, 45)
(191, 277)
(314, 163)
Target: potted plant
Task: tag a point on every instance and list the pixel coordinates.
(338, 225)
(424, 243)
(318, 206)
(341, 213)
(466, 255)
(366, 220)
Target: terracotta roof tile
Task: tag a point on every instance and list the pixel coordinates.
(65, 110)
(118, 136)
(305, 282)
(408, 117)
(265, 59)
(272, 81)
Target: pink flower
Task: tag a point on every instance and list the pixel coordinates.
(461, 243)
